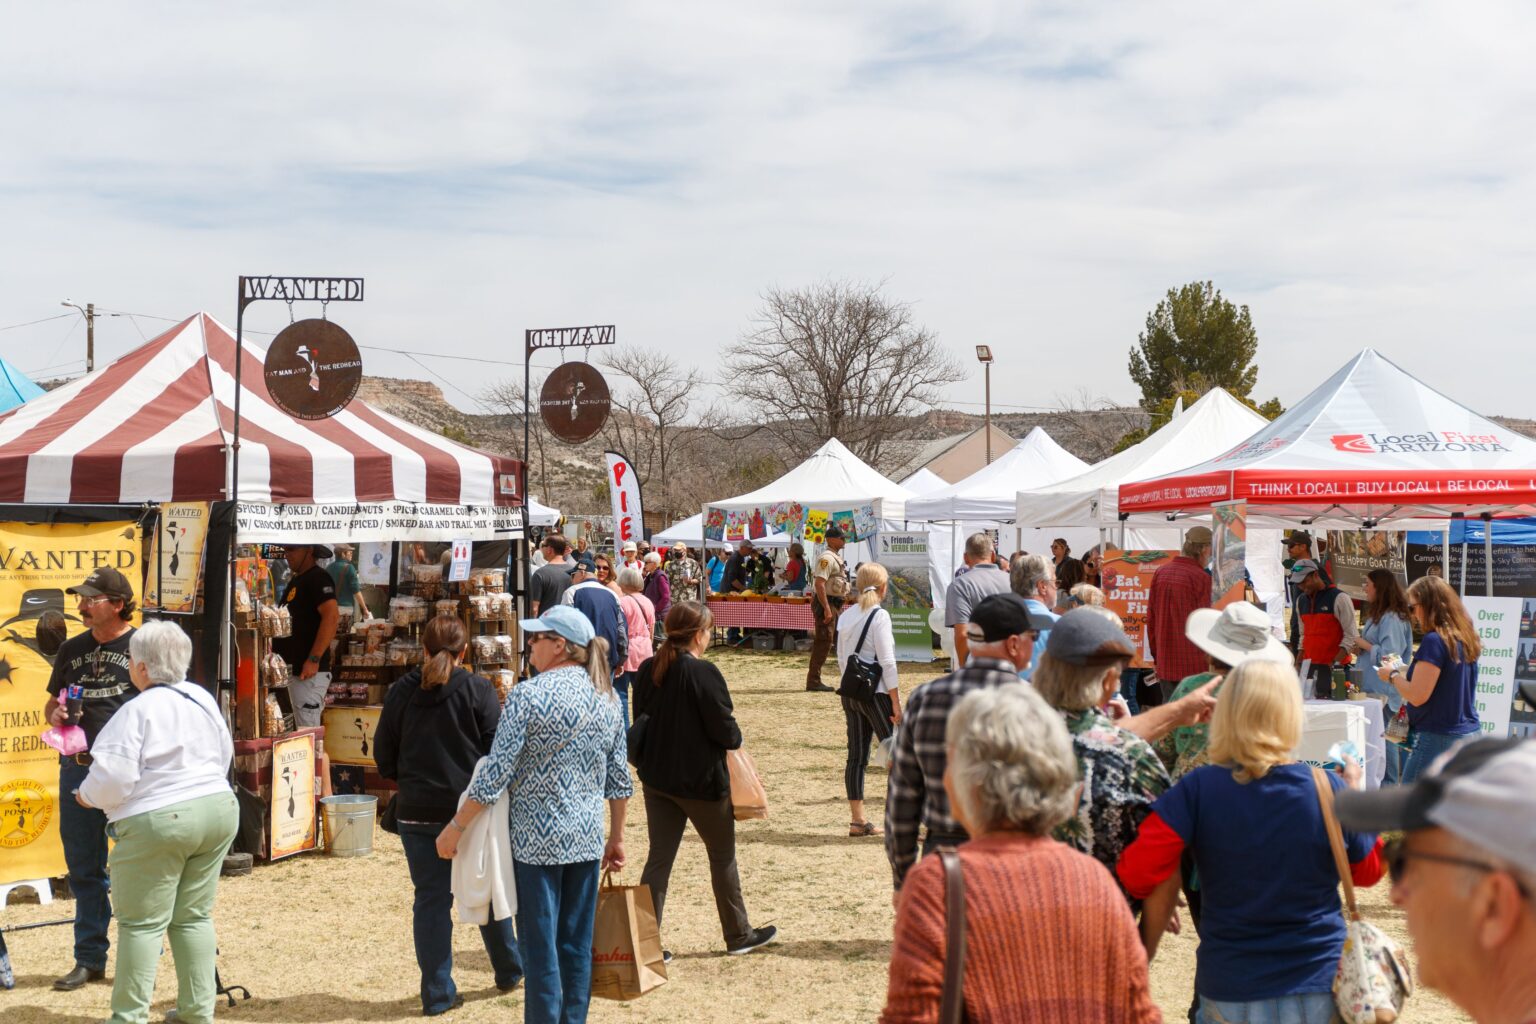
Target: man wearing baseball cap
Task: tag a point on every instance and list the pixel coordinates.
(684, 573)
(93, 664)
(1328, 627)
(1465, 872)
(310, 597)
(1001, 635)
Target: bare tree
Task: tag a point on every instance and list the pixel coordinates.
(837, 359)
(1097, 426)
(649, 409)
(508, 395)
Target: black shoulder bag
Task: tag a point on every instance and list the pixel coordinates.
(861, 679)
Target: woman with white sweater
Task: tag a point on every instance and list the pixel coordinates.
(864, 632)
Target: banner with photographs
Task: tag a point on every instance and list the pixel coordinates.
(909, 596)
(1355, 554)
(1229, 552)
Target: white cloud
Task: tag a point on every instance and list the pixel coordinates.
(1031, 176)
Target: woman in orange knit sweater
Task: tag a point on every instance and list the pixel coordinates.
(1049, 937)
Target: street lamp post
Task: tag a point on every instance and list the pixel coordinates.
(984, 356)
(89, 312)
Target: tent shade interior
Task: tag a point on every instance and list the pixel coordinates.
(1372, 445)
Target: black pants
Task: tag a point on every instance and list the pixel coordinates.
(1322, 681)
(666, 816)
(866, 722)
(1191, 897)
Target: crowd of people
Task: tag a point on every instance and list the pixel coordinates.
(1074, 825)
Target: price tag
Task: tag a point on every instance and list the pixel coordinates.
(458, 572)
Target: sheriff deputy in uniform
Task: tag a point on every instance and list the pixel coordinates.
(310, 598)
(97, 662)
(830, 583)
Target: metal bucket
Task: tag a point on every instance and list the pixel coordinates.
(349, 824)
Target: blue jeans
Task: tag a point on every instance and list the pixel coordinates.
(432, 923)
(1130, 678)
(84, 834)
(556, 905)
(1307, 1008)
(1423, 748)
(621, 681)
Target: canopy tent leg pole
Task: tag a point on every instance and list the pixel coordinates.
(1488, 553)
(1463, 568)
(1445, 552)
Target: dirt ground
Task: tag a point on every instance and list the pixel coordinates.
(317, 938)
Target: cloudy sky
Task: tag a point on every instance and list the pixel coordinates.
(1032, 176)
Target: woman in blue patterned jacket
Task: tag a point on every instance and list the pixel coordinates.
(559, 752)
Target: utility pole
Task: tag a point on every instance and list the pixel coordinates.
(89, 312)
(984, 356)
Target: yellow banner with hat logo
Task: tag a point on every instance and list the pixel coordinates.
(38, 563)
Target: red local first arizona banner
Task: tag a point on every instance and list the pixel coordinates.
(624, 491)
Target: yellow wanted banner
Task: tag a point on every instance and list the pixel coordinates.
(37, 563)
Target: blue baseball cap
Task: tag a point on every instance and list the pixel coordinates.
(1302, 568)
(564, 620)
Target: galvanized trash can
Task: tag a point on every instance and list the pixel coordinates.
(349, 824)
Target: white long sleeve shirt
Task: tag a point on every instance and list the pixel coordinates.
(166, 746)
(879, 647)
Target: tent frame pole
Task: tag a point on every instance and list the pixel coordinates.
(1488, 553)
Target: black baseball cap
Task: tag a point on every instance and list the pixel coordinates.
(833, 532)
(105, 582)
(1298, 537)
(1003, 615)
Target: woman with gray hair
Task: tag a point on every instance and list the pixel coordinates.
(159, 771)
(640, 623)
(1047, 932)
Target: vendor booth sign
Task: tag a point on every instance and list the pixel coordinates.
(1355, 554)
(1126, 578)
(261, 523)
(38, 562)
(292, 827)
(175, 568)
(1497, 621)
(624, 492)
(909, 597)
(1229, 552)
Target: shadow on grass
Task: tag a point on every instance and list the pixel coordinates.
(840, 950)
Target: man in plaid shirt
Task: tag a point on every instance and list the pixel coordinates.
(1179, 588)
(1002, 639)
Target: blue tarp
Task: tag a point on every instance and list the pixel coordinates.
(1470, 531)
(15, 388)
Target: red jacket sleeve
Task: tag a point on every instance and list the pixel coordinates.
(1151, 858)
(1367, 871)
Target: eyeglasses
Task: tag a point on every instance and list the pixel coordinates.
(93, 600)
(603, 568)
(1397, 856)
(534, 638)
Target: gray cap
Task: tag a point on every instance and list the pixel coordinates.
(1480, 790)
(1086, 636)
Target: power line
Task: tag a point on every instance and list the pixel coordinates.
(30, 323)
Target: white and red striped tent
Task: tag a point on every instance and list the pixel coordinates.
(157, 424)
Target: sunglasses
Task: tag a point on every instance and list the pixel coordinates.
(534, 638)
(1397, 855)
(974, 637)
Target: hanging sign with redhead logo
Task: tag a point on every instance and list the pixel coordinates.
(624, 492)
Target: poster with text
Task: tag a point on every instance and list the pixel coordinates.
(909, 597)
(373, 563)
(292, 828)
(1229, 552)
(1522, 716)
(175, 568)
(1358, 553)
(1126, 579)
(1497, 621)
(38, 562)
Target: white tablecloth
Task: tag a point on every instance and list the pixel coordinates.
(1375, 736)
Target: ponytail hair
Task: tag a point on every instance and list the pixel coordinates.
(871, 578)
(445, 639)
(594, 658)
(685, 620)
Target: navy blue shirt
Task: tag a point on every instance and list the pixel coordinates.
(1452, 708)
(601, 608)
(1270, 919)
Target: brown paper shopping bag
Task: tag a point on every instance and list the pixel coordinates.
(748, 797)
(626, 942)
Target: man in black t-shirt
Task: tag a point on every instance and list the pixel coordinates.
(310, 598)
(552, 579)
(96, 661)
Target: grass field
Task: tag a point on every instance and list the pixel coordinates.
(325, 939)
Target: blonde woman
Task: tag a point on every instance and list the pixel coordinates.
(1440, 686)
(864, 632)
(1270, 930)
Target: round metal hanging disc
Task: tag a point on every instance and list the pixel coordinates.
(574, 402)
(313, 369)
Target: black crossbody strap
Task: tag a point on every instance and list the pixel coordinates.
(867, 623)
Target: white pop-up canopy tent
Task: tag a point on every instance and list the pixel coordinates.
(832, 478)
(690, 530)
(1210, 426)
(542, 515)
(987, 500)
(924, 481)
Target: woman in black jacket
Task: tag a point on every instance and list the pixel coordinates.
(688, 726)
(438, 722)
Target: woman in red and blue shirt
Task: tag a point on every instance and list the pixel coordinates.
(1271, 928)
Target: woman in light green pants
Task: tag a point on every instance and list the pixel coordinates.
(160, 773)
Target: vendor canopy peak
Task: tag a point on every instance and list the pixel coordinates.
(1372, 442)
